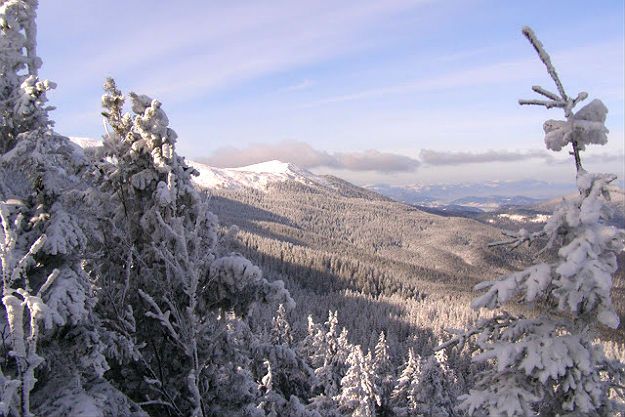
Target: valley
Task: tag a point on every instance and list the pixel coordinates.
(337, 245)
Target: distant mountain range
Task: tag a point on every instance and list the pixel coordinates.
(487, 196)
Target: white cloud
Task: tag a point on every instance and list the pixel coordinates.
(431, 157)
(306, 156)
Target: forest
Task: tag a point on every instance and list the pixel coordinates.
(124, 294)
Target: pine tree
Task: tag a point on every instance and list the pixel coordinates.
(344, 348)
(281, 330)
(291, 374)
(549, 365)
(22, 94)
(270, 401)
(275, 404)
(359, 396)
(331, 371)
(431, 396)
(166, 269)
(384, 374)
(312, 345)
(46, 230)
(403, 398)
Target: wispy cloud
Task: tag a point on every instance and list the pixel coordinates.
(601, 157)
(308, 157)
(484, 75)
(177, 54)
(491, 74)
(302, 85)
(372, 160)
(431, 157)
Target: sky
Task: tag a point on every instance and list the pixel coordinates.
(394, 91)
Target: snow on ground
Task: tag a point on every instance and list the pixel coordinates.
(538, 218)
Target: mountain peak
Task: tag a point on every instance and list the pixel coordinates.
(273, 167)
(258, 176)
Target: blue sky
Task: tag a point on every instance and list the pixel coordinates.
(392, 91)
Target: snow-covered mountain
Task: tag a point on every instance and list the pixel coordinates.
(257, 176)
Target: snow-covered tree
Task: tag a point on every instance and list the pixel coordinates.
(359, 396)
(549, 364)
(18, 299)
(325, 406)
(344, 348)
(424, 387)
(47, 227)
(431, 395)
(270, 401)
(275, 404)
(312, 345)
(332, 367)
(22, 95)
(281, 333)
(164, 267)
(384, 374)
(402, 397)
(291, 374)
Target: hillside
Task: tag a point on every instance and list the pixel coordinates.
(361, 243)
(324, 236)
(341, 247)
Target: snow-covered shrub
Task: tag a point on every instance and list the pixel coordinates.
(549, 365)
(384, 372)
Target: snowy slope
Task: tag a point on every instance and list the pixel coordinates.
(85, 143)
(257, 176)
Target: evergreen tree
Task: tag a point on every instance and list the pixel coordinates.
(403, 399)
(22, 95)
(46, 230)
(325, 406)
(281, 330)
(359, 396)
(291, 374)
(163, 257)
(430, 395)
(344, 348)
(312, 346)
(384, 374)
(274, 404)
(549, 365)
(331, 371)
